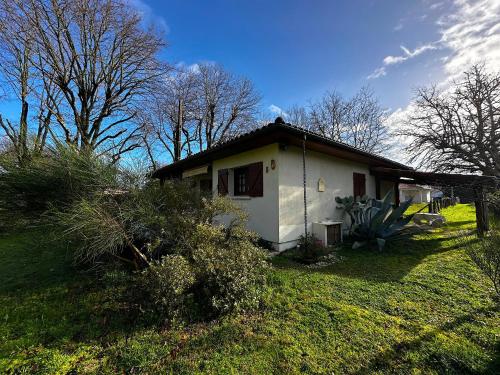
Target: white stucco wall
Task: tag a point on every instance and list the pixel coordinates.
(338, 176)
(278, 216)
(262, 211)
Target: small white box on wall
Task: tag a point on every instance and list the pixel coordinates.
(328, 232)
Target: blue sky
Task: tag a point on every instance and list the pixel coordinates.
(295, 50)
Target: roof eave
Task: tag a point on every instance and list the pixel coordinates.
(276, 133)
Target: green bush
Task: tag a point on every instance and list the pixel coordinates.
(310, 249)
(185, 264)
(51, 181)
(485, 253)
(221, 272)
(230, 269)
(168, 284)
(192, 266)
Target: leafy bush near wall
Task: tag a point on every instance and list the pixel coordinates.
(181, 263)
(188, 265)
(310, 249)
(220, 271)
(167, 284)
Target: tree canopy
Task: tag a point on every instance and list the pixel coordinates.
(457, 129)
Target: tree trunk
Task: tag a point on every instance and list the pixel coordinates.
(482, 222)
(178, 132)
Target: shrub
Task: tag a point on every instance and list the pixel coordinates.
(168, 283)
(230, 269)
(494, 203)
(485, 253)
(185, 261)
(192, 265)
(310, 249)
(50, 181)
(376, 220)
(221, 272)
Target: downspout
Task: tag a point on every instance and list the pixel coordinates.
(305, 187)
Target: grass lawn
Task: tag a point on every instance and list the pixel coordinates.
(416, 207)
(421, 306)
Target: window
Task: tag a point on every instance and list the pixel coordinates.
(249, 180)
(241, 181)
(222, 186)
(359, 184)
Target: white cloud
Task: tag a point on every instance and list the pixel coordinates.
(397, 143)
(469, 34)
(389, 60)
(193, 68)
(436, 5)
(399, 26)
(472, 34)
(393, 60)
(277, 110)
(379, 72)
(149, 16)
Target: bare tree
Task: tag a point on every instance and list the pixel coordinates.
(358, 121)
(101, 60)
(194, 109)
(227, 105)
(329, 116)
(299, 116)
(167, 115)
(458, 130)
(22, 81)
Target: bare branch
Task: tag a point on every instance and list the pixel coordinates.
(458, 130)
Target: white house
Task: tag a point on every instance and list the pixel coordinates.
(264, 172)
(419, 193)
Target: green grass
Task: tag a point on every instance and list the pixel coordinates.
(416, 207)
(421, 306)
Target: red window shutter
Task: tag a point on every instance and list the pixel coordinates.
(222, 185)
(359, 184)
(255, 180)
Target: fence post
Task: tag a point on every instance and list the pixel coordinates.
(482, 223)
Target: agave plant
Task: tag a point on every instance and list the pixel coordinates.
(374, 220)
(353, 207)
(378, 220)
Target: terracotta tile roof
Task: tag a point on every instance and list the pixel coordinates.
(268, 134)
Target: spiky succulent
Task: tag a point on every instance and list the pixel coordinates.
(373, 220)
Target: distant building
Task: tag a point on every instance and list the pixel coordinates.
(419, 193)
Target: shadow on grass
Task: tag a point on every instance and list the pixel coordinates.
(439, 361)
(399, 257)
(460, 224)
(46, 301)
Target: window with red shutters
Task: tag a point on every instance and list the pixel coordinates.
(241, 181)
(256, 180)
(249, 180)
(359, 184)
(222, 182)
